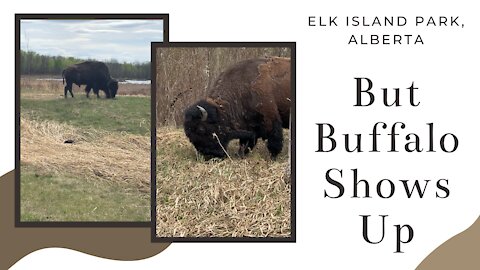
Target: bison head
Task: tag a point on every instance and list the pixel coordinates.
(202, 121)
(112, 88)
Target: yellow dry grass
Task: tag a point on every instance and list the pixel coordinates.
(38, 87)
(114, 157)
(220, 198)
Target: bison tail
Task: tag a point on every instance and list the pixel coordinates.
(63, 76)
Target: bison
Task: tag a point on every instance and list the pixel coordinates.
(95, 75)
(248, 101)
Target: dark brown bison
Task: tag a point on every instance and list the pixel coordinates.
(95, 75)
(248, 101)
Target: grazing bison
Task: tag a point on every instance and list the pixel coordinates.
(94, 75)
(249, 100)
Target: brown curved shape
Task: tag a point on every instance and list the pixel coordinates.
(459, 252)
(110, 243)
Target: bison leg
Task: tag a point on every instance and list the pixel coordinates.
(87, 90)
(246, 145)
(95, 91)
(275, 139)
(68, 88)
(247, 140)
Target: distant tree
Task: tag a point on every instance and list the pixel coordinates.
(32, 63)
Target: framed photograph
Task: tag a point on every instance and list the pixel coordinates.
(83, 118)
(225, 141)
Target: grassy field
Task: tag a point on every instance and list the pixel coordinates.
(123, 114)
(69, 198)
(103, 175)
(234, 197)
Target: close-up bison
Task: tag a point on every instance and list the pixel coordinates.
(95, 75)
(248, 101)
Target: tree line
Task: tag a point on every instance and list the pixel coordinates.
(32, 63)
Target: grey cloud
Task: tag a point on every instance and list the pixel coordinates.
(124, 40)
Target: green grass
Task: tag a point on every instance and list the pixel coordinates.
(122, 114)
(52, 197)
(48, 195)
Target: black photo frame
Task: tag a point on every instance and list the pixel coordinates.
(292, 47)
(18, 18)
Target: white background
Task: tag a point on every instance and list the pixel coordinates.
(445, 70)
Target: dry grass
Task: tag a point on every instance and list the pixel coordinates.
(134, 89)
(99, 155)
(36, 87)
(220, 198)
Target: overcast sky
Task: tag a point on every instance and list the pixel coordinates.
(123, 40)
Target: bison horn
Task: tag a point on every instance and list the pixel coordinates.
(204, 113)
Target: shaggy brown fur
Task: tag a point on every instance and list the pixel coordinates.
(249, 100)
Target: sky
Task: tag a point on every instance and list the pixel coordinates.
(123, 40)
